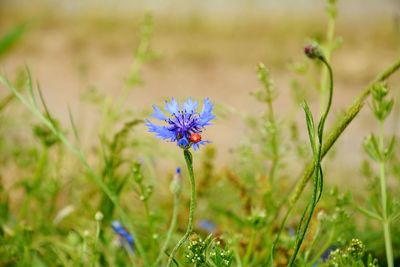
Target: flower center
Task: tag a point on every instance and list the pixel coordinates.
(184, 124)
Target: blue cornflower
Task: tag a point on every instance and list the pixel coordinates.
(123, 234)
(207, 225)
(184, 124)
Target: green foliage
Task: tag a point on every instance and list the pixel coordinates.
(351, 255)
(380, 105)
(207, 253)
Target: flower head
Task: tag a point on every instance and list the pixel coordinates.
(207, 225)
(184, 123)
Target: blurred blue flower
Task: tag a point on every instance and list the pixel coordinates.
(207, 225)
(123, 234)
(327, 252)
(184, 124)
(291, 231)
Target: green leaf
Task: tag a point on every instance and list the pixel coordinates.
(371, 147)
(310, 126)
(388, 152)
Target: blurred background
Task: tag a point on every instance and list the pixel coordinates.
(200, 49)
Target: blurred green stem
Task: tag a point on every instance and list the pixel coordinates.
(328, 53)
(5, 101)
(148, 217)
(385, 219)
(189, 163)
(274, 144)
(170, 229)
(237, 257)
(250, 248)
(323, 248)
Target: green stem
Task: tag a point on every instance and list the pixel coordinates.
(327, 52)
(328, 106)
(170, 229)
(189, 163)
(96, 243)
(274, 143)
(385, 219)
(250, 248)
(323, 248)
(148, 217)
(237, 257)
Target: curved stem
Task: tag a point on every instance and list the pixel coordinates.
(329, 104)
(170, 229)
(189, 163)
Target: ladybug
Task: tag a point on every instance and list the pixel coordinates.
(195, 138)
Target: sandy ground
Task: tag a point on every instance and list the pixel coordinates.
(213, 58)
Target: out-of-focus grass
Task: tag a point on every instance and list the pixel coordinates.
(11, 37)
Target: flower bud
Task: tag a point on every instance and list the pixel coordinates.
(98, 216)
(137, 175)
(176, 183)
(313, 51)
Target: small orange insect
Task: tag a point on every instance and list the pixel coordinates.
(195, 138)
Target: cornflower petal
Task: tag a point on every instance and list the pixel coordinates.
(158, 114)
(183, 142)
(207, 106)
(161, 131)
(123, 233)
(190, 106)
(206, 113)
(172, 107)
(207, 225)
(197, 145)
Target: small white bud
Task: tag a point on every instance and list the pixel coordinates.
(98, 216)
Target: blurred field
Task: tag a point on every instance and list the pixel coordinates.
(197, 56)
(73, 166)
